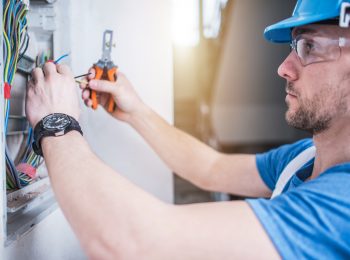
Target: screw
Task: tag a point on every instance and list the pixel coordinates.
(113, 45)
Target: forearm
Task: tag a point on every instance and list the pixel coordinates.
(197, 162)
(116, 220)
(106, 211)
(185, 155)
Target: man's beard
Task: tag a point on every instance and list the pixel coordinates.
(305, 118)
(313, 115)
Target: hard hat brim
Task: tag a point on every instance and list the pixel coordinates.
(281, 31)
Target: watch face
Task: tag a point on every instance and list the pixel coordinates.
(56, 122)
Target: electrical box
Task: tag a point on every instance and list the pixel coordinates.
(31, 37)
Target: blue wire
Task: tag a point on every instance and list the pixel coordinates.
(7, 116)
(9, 16)
(29, 138)
(61, 58)
(42, 59)
(14, 25)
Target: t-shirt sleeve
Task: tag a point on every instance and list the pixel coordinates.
(311, 221)
(271, 164)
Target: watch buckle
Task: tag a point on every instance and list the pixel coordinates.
(59, 133)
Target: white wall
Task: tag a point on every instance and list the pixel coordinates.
(144, 53)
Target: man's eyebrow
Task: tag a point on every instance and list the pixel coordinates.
(299, 31)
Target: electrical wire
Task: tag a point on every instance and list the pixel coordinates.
(24, 47)
(15, 45)
(61, 58)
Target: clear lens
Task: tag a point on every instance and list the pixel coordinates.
(316, 49)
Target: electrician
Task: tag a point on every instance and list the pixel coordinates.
(308, 215)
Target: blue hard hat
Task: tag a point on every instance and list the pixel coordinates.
(305, 12)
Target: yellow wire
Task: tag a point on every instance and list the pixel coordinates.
(31, 157)
(9, 54)
(5, 12)
(23, 12)
(19, 31)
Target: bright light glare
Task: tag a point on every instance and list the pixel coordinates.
(185, 23)
(212, 17)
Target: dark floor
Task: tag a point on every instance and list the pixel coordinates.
(185, 119)
(186, 193)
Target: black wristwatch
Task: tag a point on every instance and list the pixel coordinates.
(56, 124)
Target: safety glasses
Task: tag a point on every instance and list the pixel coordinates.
(312, 49)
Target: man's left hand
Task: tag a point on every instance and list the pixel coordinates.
(51, 90)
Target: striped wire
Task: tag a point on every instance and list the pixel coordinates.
(16, 42)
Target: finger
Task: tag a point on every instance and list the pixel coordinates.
(103, 86)
(103, 99)
(92, 75)
(30, 85)
(64, 69)
(88, 103)
(49, 68)
(83, 85)
(85, 94)
(37, 75)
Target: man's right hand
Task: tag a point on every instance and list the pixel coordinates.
(127, 101)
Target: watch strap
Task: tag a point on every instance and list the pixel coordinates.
(40, 132)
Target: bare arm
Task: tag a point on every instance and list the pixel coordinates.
(196, 161)
(185, 155)
(114, 219)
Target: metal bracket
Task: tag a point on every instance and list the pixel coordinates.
(26, 65)
(42, 16)
(17, 125)
(344, 17)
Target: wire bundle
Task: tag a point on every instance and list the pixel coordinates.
(16, 42)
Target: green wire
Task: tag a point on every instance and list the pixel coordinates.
(16, 26)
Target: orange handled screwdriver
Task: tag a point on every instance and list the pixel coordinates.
(105, 69)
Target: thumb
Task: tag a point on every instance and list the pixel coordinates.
(103, 86)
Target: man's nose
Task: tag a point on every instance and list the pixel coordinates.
(289, 67)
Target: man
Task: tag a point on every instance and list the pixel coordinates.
(308, 220)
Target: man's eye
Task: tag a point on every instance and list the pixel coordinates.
(309, 46)
(306, 47)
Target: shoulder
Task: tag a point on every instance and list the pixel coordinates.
(315, 212)
(288, 152)
(270, 164)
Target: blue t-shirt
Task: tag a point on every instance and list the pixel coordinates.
(309, 220)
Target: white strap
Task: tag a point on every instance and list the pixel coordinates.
(291, 169)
